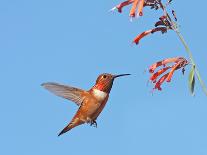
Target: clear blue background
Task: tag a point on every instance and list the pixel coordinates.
(72, 42)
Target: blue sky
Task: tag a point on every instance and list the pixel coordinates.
(72, 42)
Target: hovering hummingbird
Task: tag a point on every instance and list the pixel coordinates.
(91, 102)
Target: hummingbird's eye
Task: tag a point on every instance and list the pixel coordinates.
(104, 76)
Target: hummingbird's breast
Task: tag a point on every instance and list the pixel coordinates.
(99, 95)
(102, 98)
(93, 104)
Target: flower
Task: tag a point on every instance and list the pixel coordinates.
(145, 33)
(162, 25)
(121, 5)
(179, 62)
(137, 6)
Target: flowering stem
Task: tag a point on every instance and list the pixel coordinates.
(175, 28)
(185, 45)
(191, 59)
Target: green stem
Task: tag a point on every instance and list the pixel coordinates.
(175, 28)
(185, 45)
(191, 59)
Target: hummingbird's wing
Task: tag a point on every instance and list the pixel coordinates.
(67, 92)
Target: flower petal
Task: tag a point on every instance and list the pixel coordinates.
(160, 81)
(170, 60)
(145, 33)
(140, 7)
(180, 62)
(140, 36)
(154, 66)
(120, 6)
(158, 73)
(171, 72)
(134, 7)
(163, 62)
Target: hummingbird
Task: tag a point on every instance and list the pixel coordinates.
(91, 102)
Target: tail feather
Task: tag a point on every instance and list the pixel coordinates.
(72, 124)
(66, 129)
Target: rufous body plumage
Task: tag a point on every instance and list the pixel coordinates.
(91, 102)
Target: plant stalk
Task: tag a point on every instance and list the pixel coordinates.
(175, 28)
(192, 60)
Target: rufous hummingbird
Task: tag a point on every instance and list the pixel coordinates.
(91, 102)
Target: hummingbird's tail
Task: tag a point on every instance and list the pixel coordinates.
(67, 128)
(72, 124)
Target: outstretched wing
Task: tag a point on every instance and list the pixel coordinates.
(67, 92)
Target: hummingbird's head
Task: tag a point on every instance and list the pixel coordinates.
(105, 81)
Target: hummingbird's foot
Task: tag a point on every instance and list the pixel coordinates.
(93, 123)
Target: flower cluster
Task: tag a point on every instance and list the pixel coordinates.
(179, 62)
(162, 25)
(137, 6)
(166, 22)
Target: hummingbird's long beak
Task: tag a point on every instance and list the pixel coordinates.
(115, 76)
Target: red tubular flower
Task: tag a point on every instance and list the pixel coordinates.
(137, 6)
(175, 67)
(142, 35)
(158, 73)
(163, 24)
(160, 81)
(121, 5)
(134, 7)
(145, 33)
(180, 62)
(160, 63)
(140, 8)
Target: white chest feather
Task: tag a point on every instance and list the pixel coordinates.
(99, 94)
